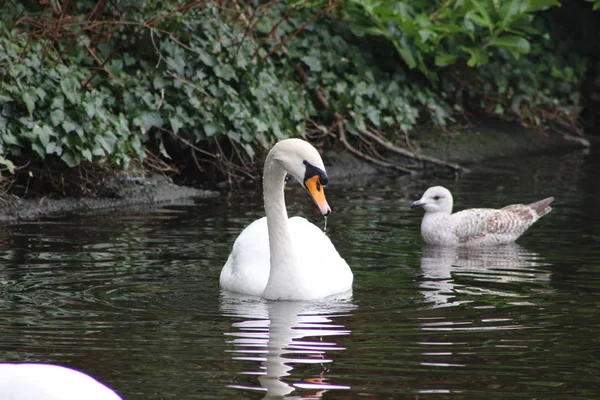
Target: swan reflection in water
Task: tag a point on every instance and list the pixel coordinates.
(449, 271)
(279, 334)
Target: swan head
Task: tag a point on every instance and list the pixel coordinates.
(302, 161)
(435, 199)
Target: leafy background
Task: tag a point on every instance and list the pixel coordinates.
(201, 87)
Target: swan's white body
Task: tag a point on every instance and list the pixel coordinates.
(283, 258)
(26, 381)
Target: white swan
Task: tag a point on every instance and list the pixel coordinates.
(27, 381)
(287, 259)
(475, 226)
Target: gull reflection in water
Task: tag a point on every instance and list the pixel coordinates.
(280, 334)
(448, 272)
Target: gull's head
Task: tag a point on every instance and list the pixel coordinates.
(435, 199)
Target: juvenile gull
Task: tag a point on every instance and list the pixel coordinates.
(476, 226)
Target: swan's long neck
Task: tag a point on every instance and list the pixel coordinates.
(280, 241)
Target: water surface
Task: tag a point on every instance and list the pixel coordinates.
(132, 297)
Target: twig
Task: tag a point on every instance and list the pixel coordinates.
(251, 25)
(149, 24)
(285, 17)
(99, 5)
(162, 98)
(390, 146)
(300, 71)
(98, 60)
(339, 123)
(330, 7)
(187, 82)
(59, 24)
(219, 161)
(340, 128)
(160, 57)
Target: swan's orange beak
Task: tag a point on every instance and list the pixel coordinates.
(317, 192)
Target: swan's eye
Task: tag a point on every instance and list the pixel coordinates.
(436, 197)
(314, 172)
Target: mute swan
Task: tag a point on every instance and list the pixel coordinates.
(287, 259)
(26, 381)
(476, 226)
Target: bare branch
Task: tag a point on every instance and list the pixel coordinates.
(344, 139)
(403, 152)
(312, 19)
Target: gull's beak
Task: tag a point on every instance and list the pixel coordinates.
(317, 192)
(417, 203)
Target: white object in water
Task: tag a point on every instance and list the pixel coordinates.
(475, 226)
(287, 259)
(29, 381)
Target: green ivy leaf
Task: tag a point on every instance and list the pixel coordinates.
(50, 148)
(314, 64)
(87, 154)
(249, 150)
(101, 141)
(69, 159)
(206, 58)
(68, 126)
(7, 164)
(176, 124)
(98, 151)
(41, 134)
(159, 82)
(29, 97)
(177, 64)
(57, 116)
(209, 129)
(58, 102)
(3, 123)
(39, 149)
(226, 72)
(259, 125)
(148, 120)
(374, 116)
(69, 85)
(406, 52)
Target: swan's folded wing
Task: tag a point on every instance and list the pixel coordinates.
(247, 268)
(319, 257)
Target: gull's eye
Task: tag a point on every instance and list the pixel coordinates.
(436, 197)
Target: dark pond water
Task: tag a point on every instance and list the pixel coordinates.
(132, 297)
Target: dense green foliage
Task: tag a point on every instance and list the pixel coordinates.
(45, 109)
(357, 85)
(524, 68)
(107, 83)
(197, 84)
(429, 34)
